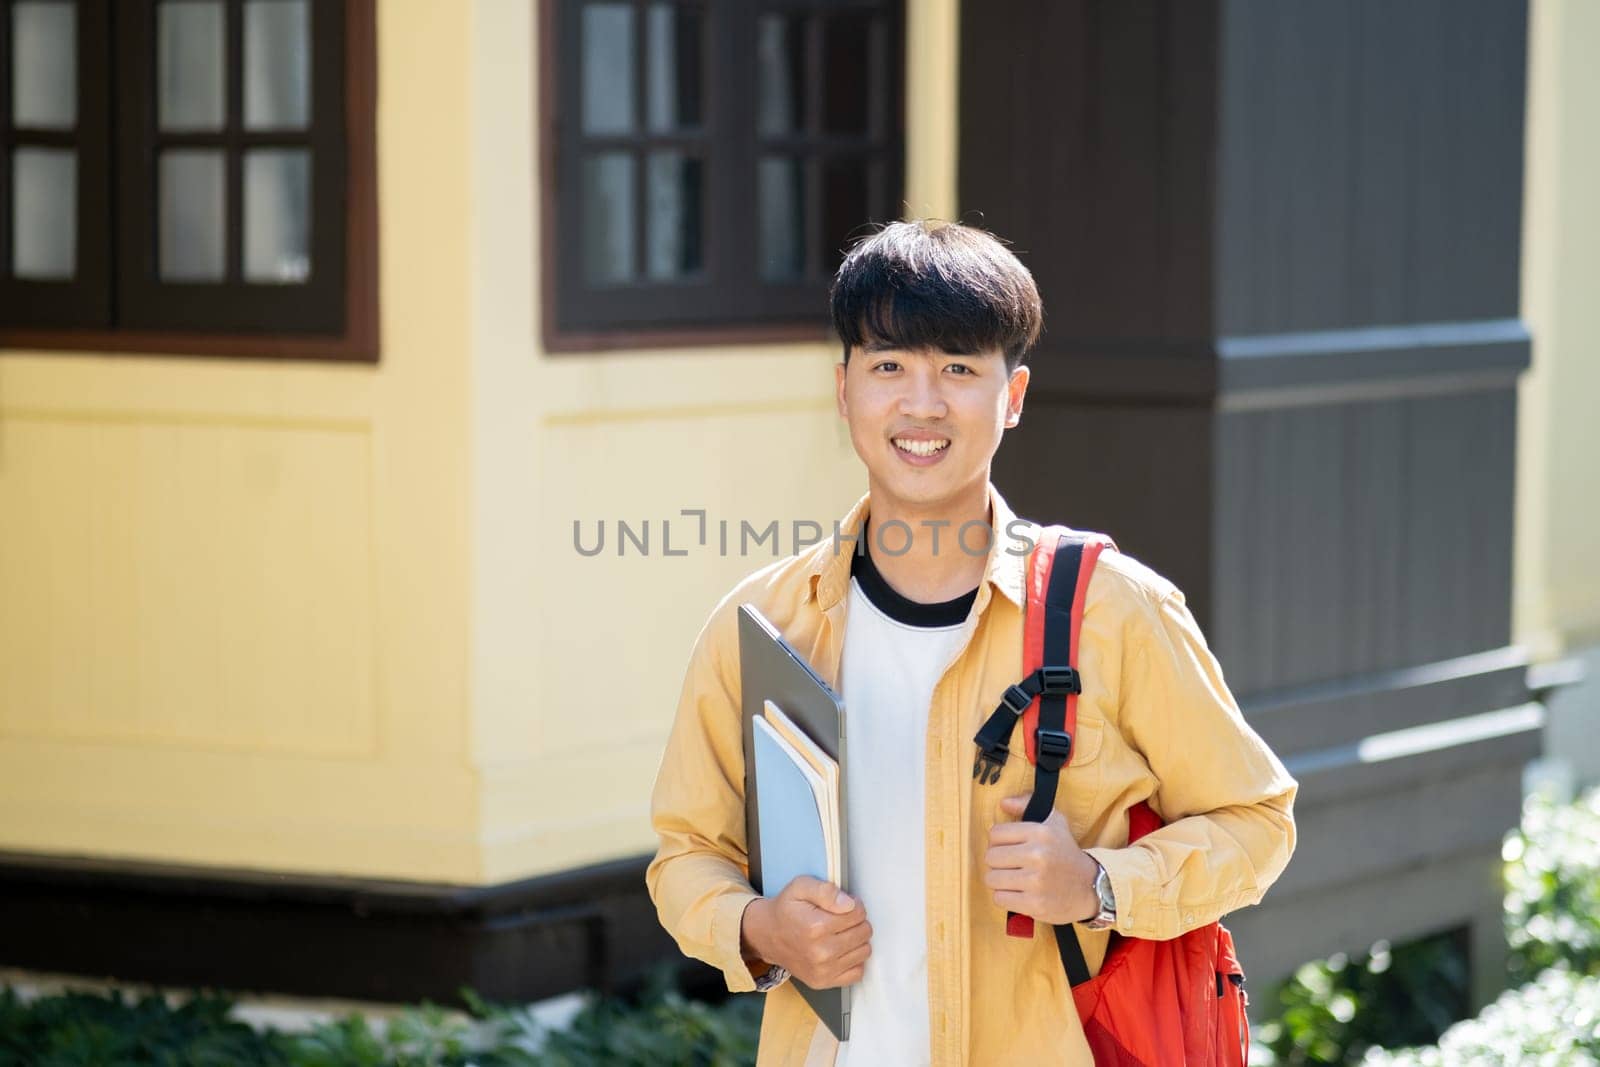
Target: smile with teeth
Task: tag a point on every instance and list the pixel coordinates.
(920, 448)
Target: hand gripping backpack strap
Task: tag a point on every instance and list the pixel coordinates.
(1046, 700)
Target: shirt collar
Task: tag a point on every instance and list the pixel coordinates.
(1005, 570)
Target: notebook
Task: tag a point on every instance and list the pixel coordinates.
(799, 811)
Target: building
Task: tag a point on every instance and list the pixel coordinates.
(315, 404)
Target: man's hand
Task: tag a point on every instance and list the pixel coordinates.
(1038, 869)
(812, 929)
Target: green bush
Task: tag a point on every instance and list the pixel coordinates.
(1554, 1020)
(1553, 888)
(660, 1027)
(1333, 1010)
(83, 1030)
(666, 1029)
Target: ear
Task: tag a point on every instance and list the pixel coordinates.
(839, 372)
(1016, 389)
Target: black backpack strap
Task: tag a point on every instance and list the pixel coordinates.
(1053, 749)
(1054, 744)
(1053, 683)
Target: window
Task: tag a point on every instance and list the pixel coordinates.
(192, 175)
(707, 160)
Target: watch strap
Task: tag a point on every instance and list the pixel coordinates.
(774, 978)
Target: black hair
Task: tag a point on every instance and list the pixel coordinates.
(935, 285)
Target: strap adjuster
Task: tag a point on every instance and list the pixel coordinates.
(1059, 681)
(1017, 699)
(1054, 748)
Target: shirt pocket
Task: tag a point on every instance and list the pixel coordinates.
(1087, 741)
(1078, 792)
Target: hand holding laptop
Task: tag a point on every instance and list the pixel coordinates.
(813, 929)
(794, 747)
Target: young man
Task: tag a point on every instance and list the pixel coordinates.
(915, 614)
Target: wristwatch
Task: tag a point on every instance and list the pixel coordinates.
(1106, 917)
(774, 978)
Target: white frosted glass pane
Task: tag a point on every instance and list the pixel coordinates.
(779, 185)
(193, 243)
(672, 197)
(44, 65)
(44, 213)
(277, 215)
(672, 88)
(780, 75)
(191, 92)
(608, 218)
(277, 64)
(608, 69)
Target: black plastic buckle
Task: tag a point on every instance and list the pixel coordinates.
(986, 765)
(1017, 699)
(1059, 681)
(1054, 748)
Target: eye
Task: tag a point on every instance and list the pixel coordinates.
(960, 369)
(887, 365)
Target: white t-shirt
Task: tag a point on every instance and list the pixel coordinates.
(895, 651)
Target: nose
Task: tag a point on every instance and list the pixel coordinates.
(923, 395)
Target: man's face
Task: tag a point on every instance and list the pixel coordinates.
(925, 422)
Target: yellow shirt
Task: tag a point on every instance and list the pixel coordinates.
(1155, 722)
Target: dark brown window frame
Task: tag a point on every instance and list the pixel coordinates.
(560, 337)
(359, 341)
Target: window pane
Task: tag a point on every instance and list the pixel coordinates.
(189, 56)
(673, 196)
(847, 73)
(44, 65)
(277, 215)
(844, 206)
(674, 86)
(608, 69)
(192, 215)
(781, 70)
(780, 196)
(608, 221)
(44, 213)
(277, 64)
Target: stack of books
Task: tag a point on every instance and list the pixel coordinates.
(799, 813)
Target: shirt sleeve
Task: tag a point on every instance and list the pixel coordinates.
(699, 878)
(1226, 799)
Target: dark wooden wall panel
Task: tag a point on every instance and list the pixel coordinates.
(1364, 170)
(1105, 109)
(1361, 537)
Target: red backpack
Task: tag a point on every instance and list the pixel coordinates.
(1154, 1003)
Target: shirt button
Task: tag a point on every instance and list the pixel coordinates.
(1188, 918)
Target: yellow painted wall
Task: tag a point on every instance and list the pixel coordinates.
(577, 661)
(1558, 472)
(330, 618)
(234, 594)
